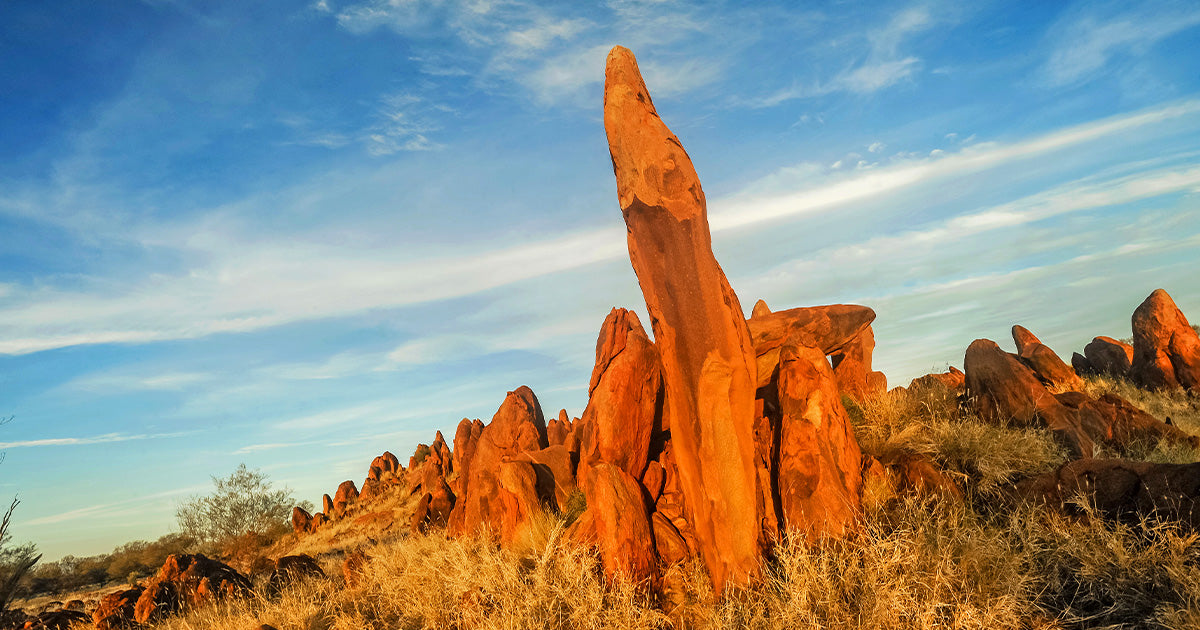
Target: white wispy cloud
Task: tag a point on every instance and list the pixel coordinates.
(1085, 42)
(95, 439)
(242, 282)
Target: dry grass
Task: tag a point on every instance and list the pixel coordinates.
(915, 563)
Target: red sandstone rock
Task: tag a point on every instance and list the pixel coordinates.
(346, 495)
(384, 464)
(820, 465)
(953, 381)
(558, 429)
(827, 328)
(699, 327)
(916, 474)
(116, 609)
(1003, 389)
(622, 526)
(852, 368)
(319, 519)
(760, 309)
(517, 427)
(327, 506)
(1121, 489)
(1024, 338)
(1166, 349)
(1109, 357)
(555, 468)
(625, 396)
(1049, 368)
(184, 581)
(301, 520)
(1119, 424)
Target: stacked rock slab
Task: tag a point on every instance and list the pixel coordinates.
(1003, 389)
(708, 360)
(1166, 349)
(1044, 362)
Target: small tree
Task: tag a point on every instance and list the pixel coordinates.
(15, 562)
(243, 502)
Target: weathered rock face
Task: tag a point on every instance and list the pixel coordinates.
(1050, 369)
(953, 381)
(1122, 489)
(1003, 389)
(820, 465)
(187, 580)
(1081, 365)
(558, 429)
(301, 520)
(708, 360)
(625, 396)
(346, 495)
(517, 427)
(466, 438)
(1023, 338)
(555, 468)
(621, 524)
(827, 328)
(760, 309)
(115, 611)
(1119, 424)
(1166, 349)
(385, 464)
(1108, 356)
(852, 368)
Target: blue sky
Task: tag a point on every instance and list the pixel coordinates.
(296, 234)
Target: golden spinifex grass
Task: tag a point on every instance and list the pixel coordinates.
(915, 564)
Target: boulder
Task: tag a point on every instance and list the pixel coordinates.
(760, 309)
(1003, 389)
(1049, 368)
(1023, 338)
(625, 396)
(1081, 365)
(953, 381)
(555, 468)
(852, 368)
(327, 506)
(1121, 489)
(1109, 357)
(559, 428)
(827, 328)
(916, 474)
(289, 569)
(383, 465)
(346, 495)
(1166, 349)
(1117, 423)
(301, 520)
(621, 523)
(517, 427)
(61, 619)
(699, 326)
(820, 465)
(319, 519)
(185, 581)
(466, 437)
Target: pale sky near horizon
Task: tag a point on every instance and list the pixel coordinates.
(296, 234)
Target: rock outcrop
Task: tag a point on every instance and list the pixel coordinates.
(953, 381)
(185, 581)
(485, 503)
(1044, 362)
(828, 328)
(1109, 357)
(707, 358)
(819, 477)
(1121, 489)
(1166, 349)
(1003, 389)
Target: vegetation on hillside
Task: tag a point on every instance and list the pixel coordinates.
(932, 562)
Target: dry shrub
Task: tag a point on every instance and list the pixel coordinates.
(985, 457)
